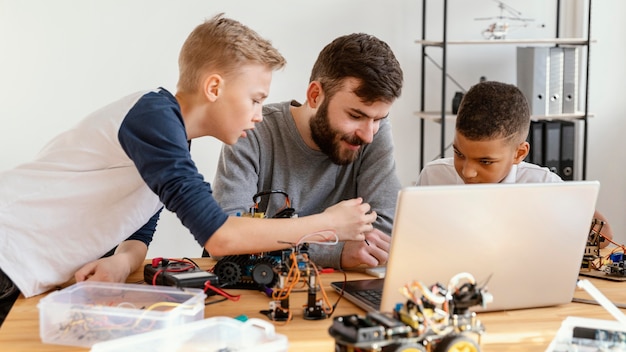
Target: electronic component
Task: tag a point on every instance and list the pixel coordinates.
(248, 271)
(611, 266)
(357, 329)
(179, 273)
(261, 270)
(616, 267)
(592, 249)
(432, 319)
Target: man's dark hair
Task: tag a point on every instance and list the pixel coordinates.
(492, 110)
(364, 57)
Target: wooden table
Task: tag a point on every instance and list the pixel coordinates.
(519, 330)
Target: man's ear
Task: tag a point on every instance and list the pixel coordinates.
(521, 152)
(314, 94)
(212, 87)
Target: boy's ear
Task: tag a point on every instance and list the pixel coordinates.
(212, 87)
(314, 94)
(522, 151)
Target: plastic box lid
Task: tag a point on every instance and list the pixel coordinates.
(89, 312)
(209, 335)
(592, 335)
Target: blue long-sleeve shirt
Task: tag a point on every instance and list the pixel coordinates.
(153, 135)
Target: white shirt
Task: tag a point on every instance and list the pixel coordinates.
(442, 172)
(70, 204)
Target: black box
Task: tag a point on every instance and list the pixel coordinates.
(174, 274)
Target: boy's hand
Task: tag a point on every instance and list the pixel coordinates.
(110, 269)
(350, 219)
(372, 253)
(128, 257)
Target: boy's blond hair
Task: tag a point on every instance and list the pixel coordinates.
(223, 45)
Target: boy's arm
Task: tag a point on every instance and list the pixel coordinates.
(157, 143)
(128, 257)
(155, 140)
(348, 220)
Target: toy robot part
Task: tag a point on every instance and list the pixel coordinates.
(285, 212)
(431, 320)
(613, 266)
(247, 271)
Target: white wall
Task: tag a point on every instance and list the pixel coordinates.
(61, 59)
(608, 128)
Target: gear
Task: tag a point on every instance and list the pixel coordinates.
(228, 272)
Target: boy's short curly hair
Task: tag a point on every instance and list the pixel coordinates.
(364, 57)
(223, 45)
(491, 110)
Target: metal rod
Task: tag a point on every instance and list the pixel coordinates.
(447, 75)
(586, 116)
(423, 86)
(443, 79)
(558, 17)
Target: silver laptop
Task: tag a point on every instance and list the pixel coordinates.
(524, 241)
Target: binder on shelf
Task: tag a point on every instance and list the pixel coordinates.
(567, 153)
(570, 79)
(579, 137)
(555, 84)
(535, 139)
(533, 77)
(552, 145)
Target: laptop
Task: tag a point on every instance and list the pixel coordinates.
(525, 242)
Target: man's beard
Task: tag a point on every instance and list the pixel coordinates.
(328, 139)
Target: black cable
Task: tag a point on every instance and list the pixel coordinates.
(191, 260)
(345, 280)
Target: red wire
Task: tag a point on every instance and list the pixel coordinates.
(154, 278)
(189, 266)
(208, 286)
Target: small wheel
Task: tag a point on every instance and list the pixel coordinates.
(457, 343)
(263, 274)
(410, 347)
(228, 273)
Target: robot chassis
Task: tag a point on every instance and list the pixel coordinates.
(274, 273)
(438, 321)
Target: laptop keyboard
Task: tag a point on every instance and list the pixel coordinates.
(372, 296)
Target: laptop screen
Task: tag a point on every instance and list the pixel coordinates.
(525, 242)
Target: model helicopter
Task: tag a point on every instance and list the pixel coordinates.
(500, 28)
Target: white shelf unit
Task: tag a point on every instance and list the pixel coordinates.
(441, 116)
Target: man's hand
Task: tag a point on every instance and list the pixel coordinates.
(374, 252)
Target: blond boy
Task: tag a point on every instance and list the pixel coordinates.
(105, 181)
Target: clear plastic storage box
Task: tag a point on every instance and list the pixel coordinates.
(215, 334)
(90, 312)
